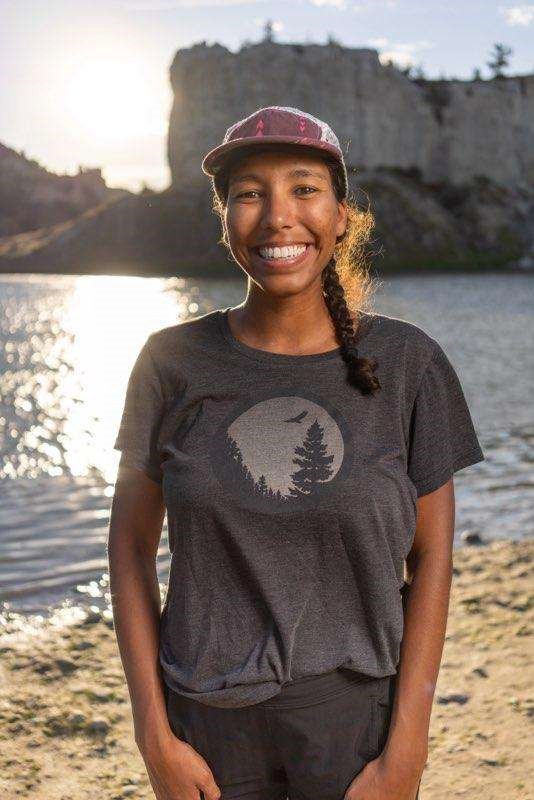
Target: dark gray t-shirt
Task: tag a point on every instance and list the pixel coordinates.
(290, 497)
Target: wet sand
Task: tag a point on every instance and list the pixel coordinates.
(66, 729)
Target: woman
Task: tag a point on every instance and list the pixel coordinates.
(304, 449)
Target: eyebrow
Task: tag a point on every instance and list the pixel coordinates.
(299, 172)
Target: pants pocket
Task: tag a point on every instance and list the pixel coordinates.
(234, 742)
(176, 716)
(380, 709)
(381, 722)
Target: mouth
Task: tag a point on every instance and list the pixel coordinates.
(273, 257)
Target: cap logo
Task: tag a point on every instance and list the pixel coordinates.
(302, 125)
(259, 127)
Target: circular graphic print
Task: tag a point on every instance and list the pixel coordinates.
(282, 453)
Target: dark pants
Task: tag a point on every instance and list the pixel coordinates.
(307, 743)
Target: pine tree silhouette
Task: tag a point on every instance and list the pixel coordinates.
(314, 463)
(309, 480)
(238, 472)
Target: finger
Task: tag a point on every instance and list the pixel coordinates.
(209, 787)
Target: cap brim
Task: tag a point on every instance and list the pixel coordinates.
(214, 160)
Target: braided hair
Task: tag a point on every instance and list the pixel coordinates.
(359, 369)
(344, 279)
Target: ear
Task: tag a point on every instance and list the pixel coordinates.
(342, 214)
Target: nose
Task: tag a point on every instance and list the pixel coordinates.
(277, 211)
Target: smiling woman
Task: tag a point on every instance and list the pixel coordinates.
(294, 441)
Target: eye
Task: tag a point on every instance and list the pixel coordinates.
(245, 194)
(252, 191)
(312, 188)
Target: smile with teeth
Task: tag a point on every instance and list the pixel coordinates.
(290, 251)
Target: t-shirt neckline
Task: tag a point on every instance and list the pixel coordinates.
(266, 355)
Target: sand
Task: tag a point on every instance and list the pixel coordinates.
(66, 729)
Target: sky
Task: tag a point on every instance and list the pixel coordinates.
(87, 82)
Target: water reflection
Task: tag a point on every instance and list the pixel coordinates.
(69, 346)
(108, 318)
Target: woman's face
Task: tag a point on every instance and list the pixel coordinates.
(279, 199)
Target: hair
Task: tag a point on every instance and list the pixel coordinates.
(347, 286)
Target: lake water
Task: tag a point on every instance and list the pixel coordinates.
(67, 344)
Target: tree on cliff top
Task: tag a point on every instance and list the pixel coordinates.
(268, 31)
(499, 59)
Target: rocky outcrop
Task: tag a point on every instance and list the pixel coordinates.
(31, 196)
(450, 131)
(134, 234)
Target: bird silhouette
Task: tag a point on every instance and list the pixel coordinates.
(298, 418)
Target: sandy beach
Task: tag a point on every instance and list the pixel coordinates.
(66, 728)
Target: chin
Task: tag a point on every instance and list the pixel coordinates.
(283, 285)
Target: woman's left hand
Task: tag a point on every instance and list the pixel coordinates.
(379, 780)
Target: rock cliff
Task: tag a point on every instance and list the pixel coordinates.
(32, 197)
(446, 167)
(450, 131)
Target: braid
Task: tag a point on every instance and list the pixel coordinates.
(360, 370)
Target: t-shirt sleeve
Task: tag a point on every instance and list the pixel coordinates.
(442, 434)
(144, 404)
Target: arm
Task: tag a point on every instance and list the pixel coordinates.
(137, 514)
(429, 563)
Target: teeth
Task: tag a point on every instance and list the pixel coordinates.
(282, 252)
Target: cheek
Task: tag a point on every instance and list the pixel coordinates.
(240, 221)
(319, 219)
(238, 231)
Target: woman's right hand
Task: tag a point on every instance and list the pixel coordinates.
(177, 771)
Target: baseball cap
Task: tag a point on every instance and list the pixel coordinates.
(277, 124)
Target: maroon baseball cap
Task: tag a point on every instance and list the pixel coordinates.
(277, 124)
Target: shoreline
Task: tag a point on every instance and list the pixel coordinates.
(228, 272)
(67, 726)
